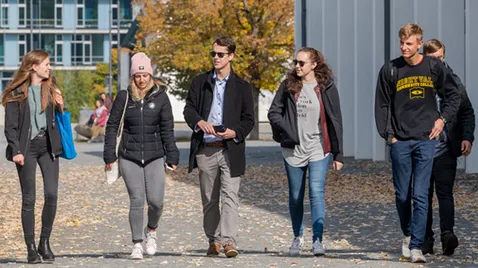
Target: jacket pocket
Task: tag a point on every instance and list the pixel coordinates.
(156, 136)
(124, 142)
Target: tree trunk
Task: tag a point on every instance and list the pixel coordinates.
(254, 135)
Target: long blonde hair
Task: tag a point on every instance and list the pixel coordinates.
(17, 89)
(138, 94)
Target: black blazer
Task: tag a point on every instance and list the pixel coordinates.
(283, 119)
(18, 130)
(464, 127)
(238, 115)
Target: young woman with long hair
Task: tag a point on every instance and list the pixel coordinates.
(306, 119)
(30, 101)
(147, 145)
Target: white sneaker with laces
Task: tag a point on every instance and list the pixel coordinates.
(318, 248)
(405, 249)
(296, 246)
(417, 256)
(150, 241)
(137, 253)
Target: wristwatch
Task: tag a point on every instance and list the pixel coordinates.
(443, 118)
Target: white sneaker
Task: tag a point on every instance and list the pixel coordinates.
(417, 256)
(137, 253)
(318, 248)
(296, 246)
(405, 249)
(150, 241)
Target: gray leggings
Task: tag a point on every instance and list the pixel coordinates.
(144, 183)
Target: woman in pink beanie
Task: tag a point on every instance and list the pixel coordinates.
(147, 147)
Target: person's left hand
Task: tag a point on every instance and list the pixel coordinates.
(226, 135)
(465, 148)
(338, 165)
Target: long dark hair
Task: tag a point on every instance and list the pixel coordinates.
(322, 71)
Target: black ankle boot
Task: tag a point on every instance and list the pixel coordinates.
(45, 250)
(33, 256)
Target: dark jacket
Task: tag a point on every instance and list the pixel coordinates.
(283, 118)
(445, 87)
(464, 127)
(148, 132)
(18, 129)
(238, 115)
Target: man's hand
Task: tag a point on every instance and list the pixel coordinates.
(206, 127)
(394, 140)
(226, 135)
(465, 148)
(337, 165)
(19, 159)
(437, 129)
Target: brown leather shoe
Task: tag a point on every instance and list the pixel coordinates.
(230, 250)
(214, 249)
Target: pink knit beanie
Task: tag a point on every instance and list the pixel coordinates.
(140, 63)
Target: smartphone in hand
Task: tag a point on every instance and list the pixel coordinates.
(220, 128)
(169, 166)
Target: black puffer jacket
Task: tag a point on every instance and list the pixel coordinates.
(148, 129)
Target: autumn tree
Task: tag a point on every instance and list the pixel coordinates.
(179, 35)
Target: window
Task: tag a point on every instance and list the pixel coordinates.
(59, 49)
(22, 46)
(4, 13)
(22, 13)
(58, 13)
(80, 13)
(81, 50)
(91, 13)
(2, 51)
(125, 14)
(114, 12)
(47, 13)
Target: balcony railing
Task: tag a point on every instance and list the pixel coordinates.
(78, 60)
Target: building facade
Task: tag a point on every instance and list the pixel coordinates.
(76, 33)
(358, 36)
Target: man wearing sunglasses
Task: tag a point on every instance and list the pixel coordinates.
(220, 111)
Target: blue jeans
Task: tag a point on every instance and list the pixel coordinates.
(412, 164)
(297, 177)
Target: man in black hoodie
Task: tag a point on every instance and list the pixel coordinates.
(407, 117)
(456, 140)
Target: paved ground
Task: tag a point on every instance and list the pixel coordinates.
(362, 230)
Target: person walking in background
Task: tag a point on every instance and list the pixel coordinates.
(107, 101)
(218, 143)
(99, 118)
(30, 101)
(408, 118)
(306, 119)
(456, 140)
(147, 145)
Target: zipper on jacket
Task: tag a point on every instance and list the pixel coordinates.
(142, 133)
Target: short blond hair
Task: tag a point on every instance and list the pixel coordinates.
(432, 46)
(410, 29)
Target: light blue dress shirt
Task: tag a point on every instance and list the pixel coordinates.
(217, 107)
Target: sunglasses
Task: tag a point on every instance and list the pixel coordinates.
(219, 54)
(300, 62)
